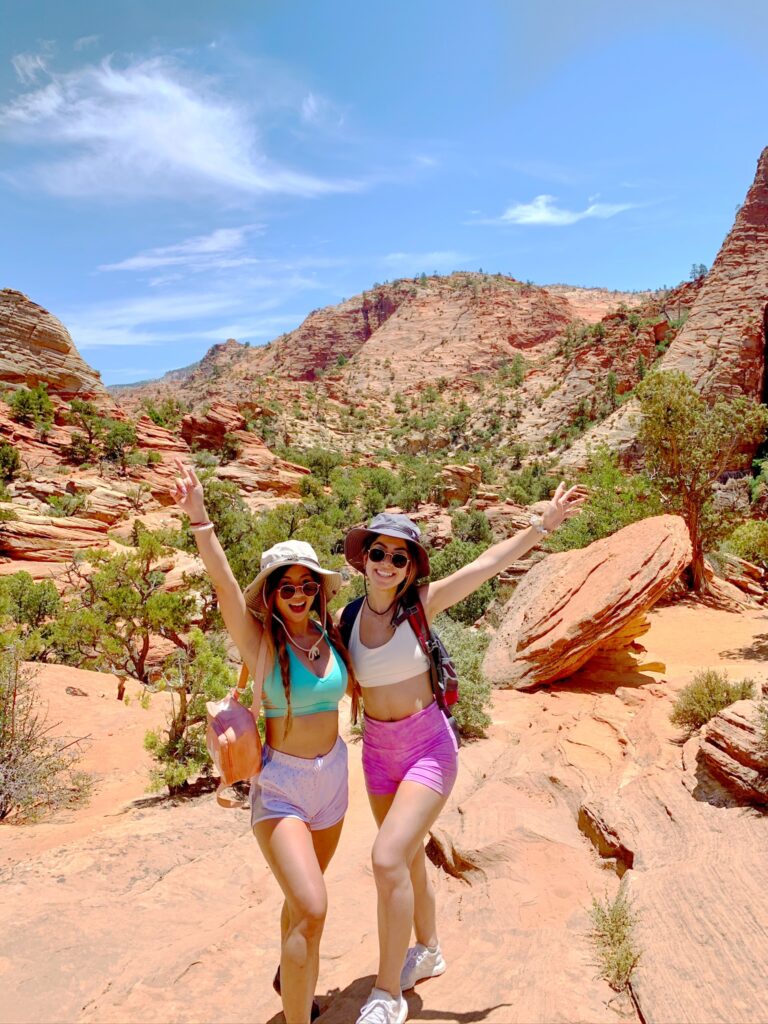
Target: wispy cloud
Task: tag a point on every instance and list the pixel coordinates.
(150, 128)
(543, 211)
(85, 41)
(218, 250)
(424, 260)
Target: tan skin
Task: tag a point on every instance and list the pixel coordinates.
(405, 897)
(296, 855)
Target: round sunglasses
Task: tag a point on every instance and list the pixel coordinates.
(399, 559)
(308, 589)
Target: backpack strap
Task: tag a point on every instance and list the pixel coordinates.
(416, 617)
(260, 674)
(348, 615)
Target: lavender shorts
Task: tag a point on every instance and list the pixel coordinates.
(420, 748)
(313, 789)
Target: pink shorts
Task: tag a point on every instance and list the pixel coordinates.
(420, 748)
(313, 789)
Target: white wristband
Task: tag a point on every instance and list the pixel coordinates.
(201, 527)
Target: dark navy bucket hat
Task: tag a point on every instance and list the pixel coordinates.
(386, 524)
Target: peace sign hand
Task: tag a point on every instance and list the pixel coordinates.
(564, 505)
(187, 492)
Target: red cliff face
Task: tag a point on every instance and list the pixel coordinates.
(36, 348)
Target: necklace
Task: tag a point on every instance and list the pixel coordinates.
(313, 652)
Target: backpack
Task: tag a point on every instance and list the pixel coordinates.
(444, 677)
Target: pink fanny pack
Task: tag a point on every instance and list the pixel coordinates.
(232, 736)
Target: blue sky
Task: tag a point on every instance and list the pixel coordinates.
(176, 173)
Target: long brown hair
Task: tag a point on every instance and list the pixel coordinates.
(277, 637)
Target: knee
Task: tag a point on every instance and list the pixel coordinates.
(308, 917)
(389, 867)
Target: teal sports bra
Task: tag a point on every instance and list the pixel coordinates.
(309, 694)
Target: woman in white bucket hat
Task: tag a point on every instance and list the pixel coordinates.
(299, 800)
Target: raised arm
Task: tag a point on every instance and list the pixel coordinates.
(245, 630)
(445, 593)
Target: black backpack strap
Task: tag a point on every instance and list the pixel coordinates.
(348, 615)
(417, 619)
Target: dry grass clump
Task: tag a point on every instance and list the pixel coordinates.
(708, 693)
(612, 937)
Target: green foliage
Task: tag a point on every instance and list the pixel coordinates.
(32, 406)
(119, 441)
(192, 676)
(708, 693)
(452, 557)
(114, 611)
(472, 526)
(230, 448)
(749, 541)
(613, 937)
(531, 484)
(10, 461)
(37, 770)
(698, 270)
(615, 500)
(688, 443)
(322, 462)
(467, 648)
(64, 505)
(168, 413)
(88, 419)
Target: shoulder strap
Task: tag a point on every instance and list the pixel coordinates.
(417, 620)
(261, 670)
(348, 615)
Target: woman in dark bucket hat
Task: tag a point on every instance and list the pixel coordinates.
(409, 751)
(299, 799)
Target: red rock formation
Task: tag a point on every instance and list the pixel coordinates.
(576, 604)
(48, 538)
(733, 749)
(36, 348)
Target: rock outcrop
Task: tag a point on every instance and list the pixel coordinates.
(577, 604)
(40, 538)
(36, 348)
(722, 346)
(733, 748)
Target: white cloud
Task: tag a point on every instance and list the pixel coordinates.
(425, 260)
(84, 41)
(204, 252)
(148, 129)
(28, 66)
(543, 211)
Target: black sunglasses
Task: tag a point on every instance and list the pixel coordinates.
(308, 589)
(399, 559)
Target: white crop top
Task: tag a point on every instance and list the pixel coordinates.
(401, 657)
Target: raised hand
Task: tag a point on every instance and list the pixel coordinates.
(187, 492)
(564, 505)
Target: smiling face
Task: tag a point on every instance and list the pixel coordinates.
(383, 574)
(295, 610)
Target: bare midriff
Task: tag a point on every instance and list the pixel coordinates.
(396, 701)
(309, 736)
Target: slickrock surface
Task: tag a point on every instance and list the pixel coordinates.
(734, 749)
(722, 345)
(146, 909)
(576, 604)
(36, 348)
(41, 538)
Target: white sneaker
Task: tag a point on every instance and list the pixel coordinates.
(421, 962)
(382, 1008)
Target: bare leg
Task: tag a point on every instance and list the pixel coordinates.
(325, 842)
(424, 909)
(403, 823)
(291, 851)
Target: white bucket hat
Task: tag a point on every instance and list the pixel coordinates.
(282, 556)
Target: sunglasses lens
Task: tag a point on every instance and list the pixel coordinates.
(377, 554)
(310, 589)
(287, 591)
(399, 560)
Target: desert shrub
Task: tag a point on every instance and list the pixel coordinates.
(26, 603)
(762, 710)
(37, 771)
(192, 677)
(613, 940)
(32, 406)
(322, 462)
(80, 450)
(531, 484)
(472, 526)
(749, 541)
(709, 692)
(615, 500)
(119, 441)
(63, 505)
(452, 557)
(168, 413)
(467, 648)
(10, 461)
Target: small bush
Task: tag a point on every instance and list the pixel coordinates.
(37, 771)
(467, 648)
(708, 693)
(749, 541)
(612, 937)
(64, 505)
(10, 462)
(32, 406)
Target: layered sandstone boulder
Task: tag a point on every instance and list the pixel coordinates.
(577, 604)
(722, 346)
(733, 748)
(36, 348)
(41, 538)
